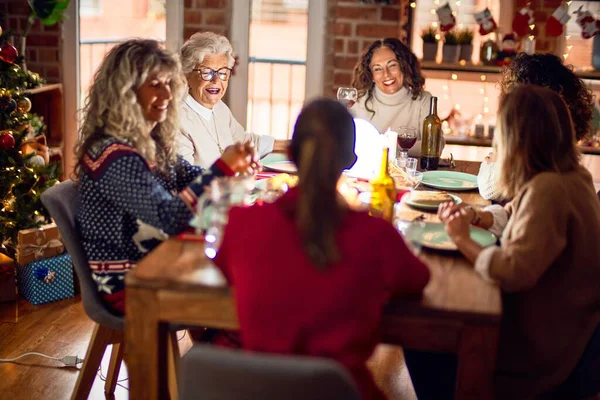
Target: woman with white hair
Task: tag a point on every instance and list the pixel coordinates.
(207, 124)
(134, 190)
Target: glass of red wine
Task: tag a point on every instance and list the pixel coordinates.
(407, 137)
(347, 96)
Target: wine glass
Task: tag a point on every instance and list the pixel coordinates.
(412, 233)
(347, 96)
(407, 137)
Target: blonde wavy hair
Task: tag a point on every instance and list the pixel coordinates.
(112, 109)
(535, 135)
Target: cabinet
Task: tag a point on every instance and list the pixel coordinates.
(47, 102)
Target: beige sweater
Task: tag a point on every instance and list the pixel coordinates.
(395, 110)
(549, 269)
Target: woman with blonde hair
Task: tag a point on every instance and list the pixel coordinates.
(134, 189)
(548, 263)
(311, 276)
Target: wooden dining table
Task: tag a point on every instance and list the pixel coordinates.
(458, 313)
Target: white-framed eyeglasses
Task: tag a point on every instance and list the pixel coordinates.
(208, 74)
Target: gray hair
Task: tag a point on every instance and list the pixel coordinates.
(201, 44)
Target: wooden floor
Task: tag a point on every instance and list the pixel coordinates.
(62, 328)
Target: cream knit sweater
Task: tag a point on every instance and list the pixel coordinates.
(395, 110)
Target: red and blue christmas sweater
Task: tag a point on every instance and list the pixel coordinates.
(127, 207)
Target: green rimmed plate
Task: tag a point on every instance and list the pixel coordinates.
(449, 180)
(434, 236)
(430, 207)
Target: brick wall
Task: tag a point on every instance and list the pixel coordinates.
(43, 42)
(542, 10)
(352, 26)
(206, 15)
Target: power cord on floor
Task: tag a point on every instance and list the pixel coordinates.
(69, 361)
(101, 375)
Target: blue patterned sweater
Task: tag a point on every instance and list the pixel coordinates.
(127, 208)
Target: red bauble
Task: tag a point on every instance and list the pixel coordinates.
(7, 141)
(8, 53)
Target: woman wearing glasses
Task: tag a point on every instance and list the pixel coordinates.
(207, 124)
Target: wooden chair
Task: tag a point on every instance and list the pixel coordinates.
(62, 201)
(211, 373)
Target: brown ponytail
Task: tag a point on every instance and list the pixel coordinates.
(322, 147)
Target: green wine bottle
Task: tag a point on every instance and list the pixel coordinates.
(431, 138)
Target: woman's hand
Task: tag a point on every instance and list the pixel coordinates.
(490, 158)
(241, 157)
(458, 226)
(447, 209)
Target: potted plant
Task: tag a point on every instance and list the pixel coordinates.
(430, 43)
(49, 12)
(465, 40)
(451, 48)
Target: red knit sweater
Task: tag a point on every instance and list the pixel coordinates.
(287, 305)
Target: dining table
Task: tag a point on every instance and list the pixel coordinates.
(458, 312)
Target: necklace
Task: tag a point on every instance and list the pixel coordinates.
(216, 140)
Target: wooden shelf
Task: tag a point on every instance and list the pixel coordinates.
(487, 142)
(47, 102)
(473, 72)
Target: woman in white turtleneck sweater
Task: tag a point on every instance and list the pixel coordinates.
(390, 88)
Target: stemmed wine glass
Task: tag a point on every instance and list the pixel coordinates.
(407, 137)
(347, 96)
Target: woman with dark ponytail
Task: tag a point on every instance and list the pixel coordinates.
(312, 276)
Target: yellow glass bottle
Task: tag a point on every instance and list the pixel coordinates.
(383, 191)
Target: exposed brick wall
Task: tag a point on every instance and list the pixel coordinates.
(206, 15)
(352, 26)
(43, 53)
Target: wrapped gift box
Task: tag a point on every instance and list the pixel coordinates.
(46, 280)
(38, 243)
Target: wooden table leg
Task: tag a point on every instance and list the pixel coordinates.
(476, 362)
(146, 346)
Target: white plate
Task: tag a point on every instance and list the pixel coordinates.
(281, 166)
(430, 207)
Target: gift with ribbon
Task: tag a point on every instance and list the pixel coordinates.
(38, 244)
(46, 280)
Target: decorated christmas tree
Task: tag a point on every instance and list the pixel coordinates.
(25, 168)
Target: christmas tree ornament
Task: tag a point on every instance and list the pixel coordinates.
(38, 146)
(24, 105)
(10, 106)
(8, 204)
(7, 140)
(486, 22)
(36, 160)
(8, 53)
(447, 20)
(589, 26)
(522, 21)
(0, 30)
(554, 25)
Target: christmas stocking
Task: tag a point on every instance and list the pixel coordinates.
(486, 22)
(554, 26)
(522, 20)
(589, 26)
(447, 20)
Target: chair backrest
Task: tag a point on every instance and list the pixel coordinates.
(211, 373)
(62, 202)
